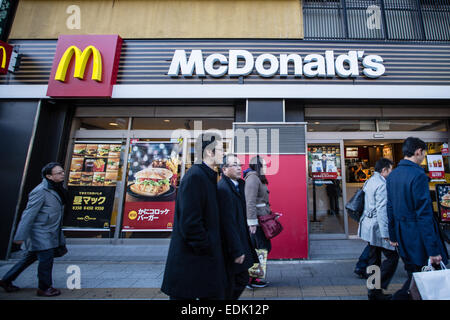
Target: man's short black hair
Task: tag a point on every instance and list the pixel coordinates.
(411, 144)
(47, 169)
(383, 163)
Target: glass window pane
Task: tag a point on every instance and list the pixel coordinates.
(325, 207)
(181, 123)
(103, 123)
(341, 125)
(412, 125)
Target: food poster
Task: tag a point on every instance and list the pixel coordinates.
(151, 187)
(436, 166)
(443, 201)
(324, 169)
(93, 175)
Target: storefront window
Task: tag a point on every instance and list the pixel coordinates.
(325, 208)
(95, 188)
(412, 125)
(181, 123)
(341, 125)
(103, 123)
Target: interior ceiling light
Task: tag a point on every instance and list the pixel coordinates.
(113, 124)
(166, 120)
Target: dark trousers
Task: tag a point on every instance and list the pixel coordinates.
(333, 197)
(403, 293)
(389, 265)
(237, 282)
(363, 260)
(45, 267)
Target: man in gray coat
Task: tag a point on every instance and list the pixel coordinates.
(373, 227)
(39, 230)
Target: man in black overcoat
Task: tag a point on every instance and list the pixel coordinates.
(239, 252)
(195, 267)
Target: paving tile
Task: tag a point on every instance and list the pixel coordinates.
(98, 293)
(289, 292)
(313, 291)
(145, 293)
(321, 298)
(247, 293)
(265, 292)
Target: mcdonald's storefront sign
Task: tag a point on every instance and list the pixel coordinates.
(5, 56)
(85, 66)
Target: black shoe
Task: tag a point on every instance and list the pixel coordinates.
(361, 273)
(379, 295)
(50, 292)
(8, 286)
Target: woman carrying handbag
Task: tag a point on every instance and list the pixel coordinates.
(257, 200)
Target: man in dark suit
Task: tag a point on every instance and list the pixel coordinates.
(412, 225)
(195, 267)
(40, 230)
(239, 252)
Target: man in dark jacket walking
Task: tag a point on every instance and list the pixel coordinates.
(412, 225)
(195, 267)
(239, 252)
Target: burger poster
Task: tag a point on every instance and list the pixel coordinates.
(92, 180)
(151, 186)
(443, 201)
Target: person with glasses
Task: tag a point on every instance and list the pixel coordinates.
(240, 254)
(39, 231)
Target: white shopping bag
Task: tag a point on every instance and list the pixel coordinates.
(433, 285)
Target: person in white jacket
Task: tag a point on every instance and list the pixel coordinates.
(373, 227)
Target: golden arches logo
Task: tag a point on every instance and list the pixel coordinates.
(81, 59)
(3, 50)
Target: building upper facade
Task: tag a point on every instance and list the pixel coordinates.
(374, 20)
(157, 19)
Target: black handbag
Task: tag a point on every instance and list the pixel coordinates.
(355, 207)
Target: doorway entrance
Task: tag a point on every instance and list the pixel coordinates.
(349, 159)
(360, 158)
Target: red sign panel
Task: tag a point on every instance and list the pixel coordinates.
(5, 56)
(148, 216)
(437, 174)
(85, 66)
(288, 196)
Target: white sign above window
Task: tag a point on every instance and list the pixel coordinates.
(268, 65)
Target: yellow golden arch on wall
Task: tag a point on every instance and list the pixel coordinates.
(81, 59)
(3, 51)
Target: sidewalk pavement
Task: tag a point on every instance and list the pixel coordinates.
(135, 271)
